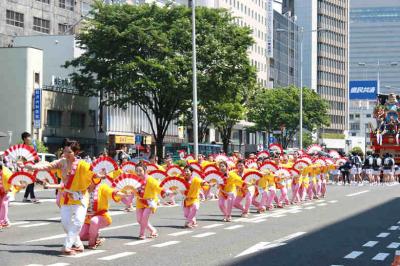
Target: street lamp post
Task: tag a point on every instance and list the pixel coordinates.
(194, 62)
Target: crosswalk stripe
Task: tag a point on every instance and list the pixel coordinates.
(353, 254)
(380, 256)
(117, 256)
(370, 244)
(383, 235)
(394, 227)
(165, 244)
(394, 245)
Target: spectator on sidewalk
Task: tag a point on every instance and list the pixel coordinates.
(30, 189)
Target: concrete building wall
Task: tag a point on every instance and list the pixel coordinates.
(17, 75)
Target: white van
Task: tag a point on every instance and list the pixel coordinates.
(47, 157)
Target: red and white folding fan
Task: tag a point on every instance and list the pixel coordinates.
(158, 174)
(231, 164)
(151, 167)
(294, 172)
(210, 168)
(340, 161)
(320, 161)
(214, 177)
(252, 165)
(174, 170)
(263, 154)
(270, 166)
(21, 178)
(195, 165)
(283, 172)
(175, 184)
(221, 157)
(106, 164)
(252, 176)
(189, 157)
(276, 148)
(300, 164)
(334, 154)
(14, 153)
(128, 167)
(196, 173)
(108, 181)
(307, 159)
(45, 176)
(313, 148)
(128, 182)
(329, 161)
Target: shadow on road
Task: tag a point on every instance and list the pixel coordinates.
(328, 245)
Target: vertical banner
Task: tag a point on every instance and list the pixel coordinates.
(270, 29)
(37, 99)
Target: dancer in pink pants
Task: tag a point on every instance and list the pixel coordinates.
(245, 192)
(5, 188)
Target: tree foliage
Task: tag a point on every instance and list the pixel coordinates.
(279, 109)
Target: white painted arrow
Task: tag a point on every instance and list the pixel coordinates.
(267, 245)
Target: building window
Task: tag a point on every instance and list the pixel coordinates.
(41, 25)
(355, 126)
(67, 4)
(368, 115)
(65, 29)
(54, 118)
(351, 116)
(77, 120)
(44, 1)
(15, 18)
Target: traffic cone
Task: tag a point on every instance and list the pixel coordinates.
(396, 261)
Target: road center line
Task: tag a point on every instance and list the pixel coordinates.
(165, 244)
(117, 256)
(358, 193)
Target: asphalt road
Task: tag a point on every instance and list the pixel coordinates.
(351, 226)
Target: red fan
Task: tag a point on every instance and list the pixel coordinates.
(300, 164)
(263, 154)
(314, 148)
(175, 184)
(270, 166)
(294, 172)
(151, 167)
(340, 161)
(307, 159)
(252, 176)
(221, 157)
(252, 165)
(334, 154)
(329, 161)
(214, 177)
(320, 161)
(128, 182)
(104, 163)
(128, 167)
(195, 165)
(108, 180)
(174, 170)
(158, 174)
(283, 172)
(19, 178)
(189, 157)
(14, 153)
(210, 168)
(197, 173)
(277, 148)
(45, 176)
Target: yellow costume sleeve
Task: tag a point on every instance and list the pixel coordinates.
(6, 173)
(193, 192)
(82, 178)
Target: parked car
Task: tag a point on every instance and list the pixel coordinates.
(47, 157)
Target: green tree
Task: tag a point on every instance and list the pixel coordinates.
(279, 108)
(307, 139)
(357, 150)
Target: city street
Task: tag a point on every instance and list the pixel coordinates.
(352, 226)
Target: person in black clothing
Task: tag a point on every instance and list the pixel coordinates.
(30, 189)
(388, 164)
(367, 167)
(376, 167)
(345, 170)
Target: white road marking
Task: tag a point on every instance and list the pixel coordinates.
(233, 227)
(289, 237)
(34, 265)
(259, 221)
(332, 201)
(380, 256)
(19, 223)
(255, 248)
(278, 215)
(353, 255)
(33, 225)
(321, 200)
(295, 211)
(165, 244)
(383, 235)
(308, 203)
(392, 228)
(59, 264)
(115, 213)
(310, 208)
(181, 233)
(394, 245)
(63, 235)
(204, 234)
(86, 253)
(370, 244)
(358, 193)
(212, 226)
(54, 219)
(322, 204)
(117, 256)
(138, 242)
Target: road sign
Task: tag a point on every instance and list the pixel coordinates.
(37, 99)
